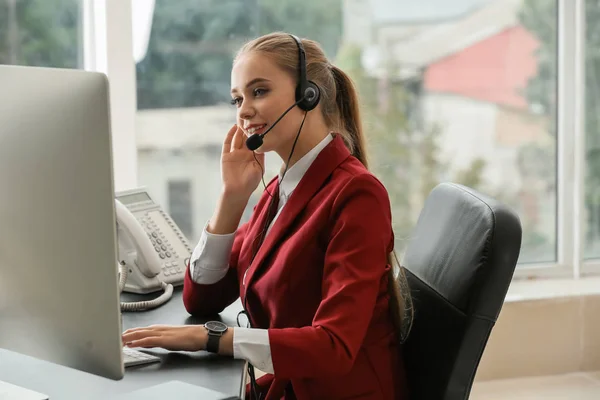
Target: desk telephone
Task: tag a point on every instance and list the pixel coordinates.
(152, 249)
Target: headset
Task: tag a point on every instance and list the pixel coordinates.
(307, 96)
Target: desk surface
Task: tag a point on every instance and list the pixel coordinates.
(214, 372)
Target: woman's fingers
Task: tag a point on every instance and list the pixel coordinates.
(139, 334)
(238, 139)
(227, 143)
(148, 342)
(148, 328)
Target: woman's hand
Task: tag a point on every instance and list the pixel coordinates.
(176, 338)
(240, 171)
(241, 174)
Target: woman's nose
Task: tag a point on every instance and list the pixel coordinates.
(247, 111)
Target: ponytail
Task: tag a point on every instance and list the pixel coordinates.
(346, 99)
(401, 306)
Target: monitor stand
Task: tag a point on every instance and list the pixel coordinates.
(9, 391)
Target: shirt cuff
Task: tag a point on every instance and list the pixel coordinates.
(209, 262)
(253, 345)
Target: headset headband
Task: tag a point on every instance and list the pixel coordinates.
(301, 61)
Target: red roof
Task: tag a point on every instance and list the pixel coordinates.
(495, 69)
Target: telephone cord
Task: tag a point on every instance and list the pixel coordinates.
(143, 305)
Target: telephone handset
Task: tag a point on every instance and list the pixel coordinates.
(147, 260)
(152, 249)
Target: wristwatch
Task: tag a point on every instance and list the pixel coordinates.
(216, 329)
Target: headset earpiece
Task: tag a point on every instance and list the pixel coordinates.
(307, 92)
(311, 94)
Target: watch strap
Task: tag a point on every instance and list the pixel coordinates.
(212, 345)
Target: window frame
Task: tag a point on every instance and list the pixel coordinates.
(110, 51)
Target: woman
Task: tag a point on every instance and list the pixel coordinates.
(315, 276)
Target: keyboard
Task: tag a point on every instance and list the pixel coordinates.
(133, 357)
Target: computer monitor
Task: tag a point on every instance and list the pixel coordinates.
(59, 298)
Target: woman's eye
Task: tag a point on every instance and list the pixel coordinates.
(237, 101)
(259, 91)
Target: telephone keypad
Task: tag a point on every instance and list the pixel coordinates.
(162, 246)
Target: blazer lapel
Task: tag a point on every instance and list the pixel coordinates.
(325, 163)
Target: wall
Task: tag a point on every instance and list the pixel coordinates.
(544, 337)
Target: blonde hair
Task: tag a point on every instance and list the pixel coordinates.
(339, 100)
(340, 110)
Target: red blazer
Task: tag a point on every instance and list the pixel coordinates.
(319, 285)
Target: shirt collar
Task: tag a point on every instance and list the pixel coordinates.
(295, 174)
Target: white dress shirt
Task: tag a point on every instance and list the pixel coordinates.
(209, 264)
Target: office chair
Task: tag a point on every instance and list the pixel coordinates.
(459, 263)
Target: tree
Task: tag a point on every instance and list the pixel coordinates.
(191, 47)
(41, 33)
(472, 175)
(192, 44)
(386, 128)
(539, 17)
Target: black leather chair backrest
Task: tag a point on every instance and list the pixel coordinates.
(459, 263)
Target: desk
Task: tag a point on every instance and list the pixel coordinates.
(214, 372)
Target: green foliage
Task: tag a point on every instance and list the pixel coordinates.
(193, 43)
(41, 33)
(385, 128)
(191, 47)
(540, 18)
(472, 175)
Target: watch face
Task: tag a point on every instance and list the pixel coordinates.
(216, 326)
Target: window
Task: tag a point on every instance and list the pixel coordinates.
(180, 205)
(43, 33)
(461, 91)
